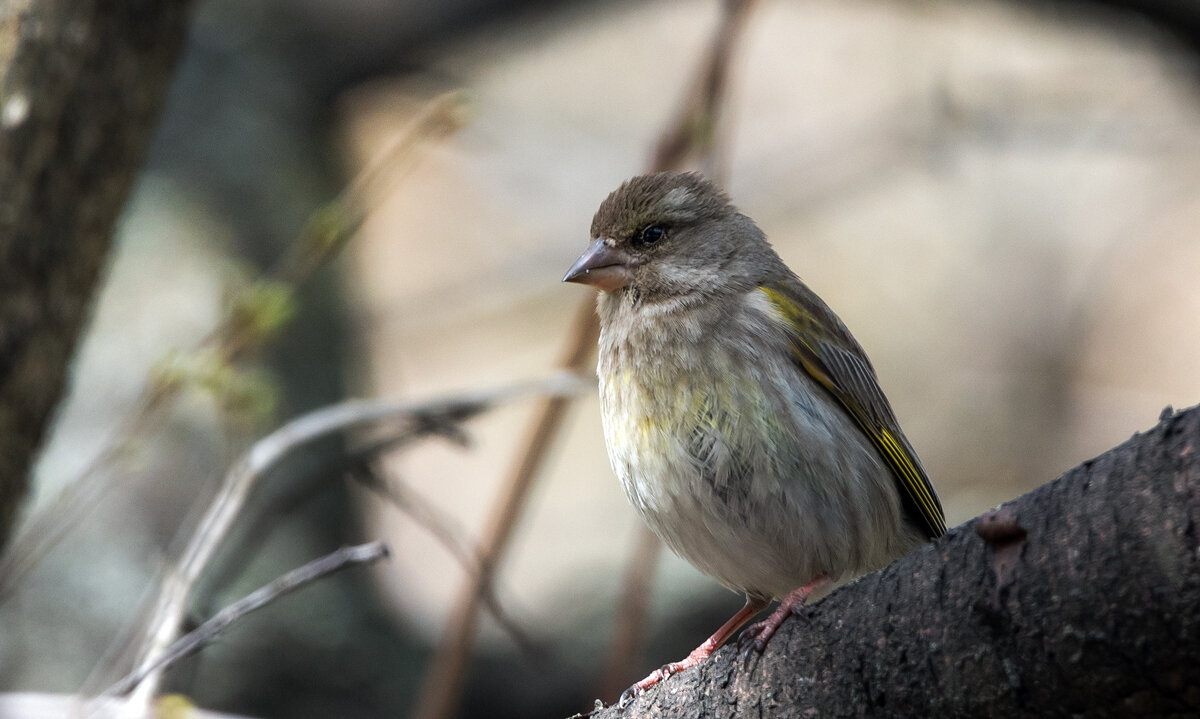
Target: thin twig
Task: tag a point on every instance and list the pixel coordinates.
(235, 336)
(621, 668)
(201, 636)
(695, 133)
(443, 680)
(50, 525)
(266, 453)
(440, 117)
(442, 527)
(442, 686)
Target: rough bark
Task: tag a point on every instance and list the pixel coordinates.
(82, 83)
(1079, 599)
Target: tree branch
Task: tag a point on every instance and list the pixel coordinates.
(442, 527)
(81, 83)
(207, 632)
(1081, 598)
(166, 615)
(249, 323)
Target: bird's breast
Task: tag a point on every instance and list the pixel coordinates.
(738, 460)
(694, 443)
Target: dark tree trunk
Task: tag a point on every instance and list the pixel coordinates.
(1079, 599)
(82, 83)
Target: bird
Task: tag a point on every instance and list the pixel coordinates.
(745, 423)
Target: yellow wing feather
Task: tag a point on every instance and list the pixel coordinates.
(827, 352)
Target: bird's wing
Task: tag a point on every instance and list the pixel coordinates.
(826, 351)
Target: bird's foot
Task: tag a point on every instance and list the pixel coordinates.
(754, 638)
(698, 655)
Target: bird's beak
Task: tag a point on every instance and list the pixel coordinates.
(602, 266)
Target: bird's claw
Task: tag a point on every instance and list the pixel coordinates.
(655, 677)
(628, 696)
(752, 651)
(749, 644)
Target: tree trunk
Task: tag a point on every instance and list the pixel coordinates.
(1079, 599)
(82, 83)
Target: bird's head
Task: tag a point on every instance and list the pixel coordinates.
(671, 234)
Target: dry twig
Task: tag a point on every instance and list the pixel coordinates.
(443, 681)
(247, 326)
(695, 132)
(207, 632)
(168, 612)
(443, 528)
(620, 669)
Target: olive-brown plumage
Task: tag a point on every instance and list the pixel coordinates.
(742, 418)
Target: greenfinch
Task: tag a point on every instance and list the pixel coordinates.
(744, 421)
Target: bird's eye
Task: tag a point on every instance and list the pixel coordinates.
(650, 235)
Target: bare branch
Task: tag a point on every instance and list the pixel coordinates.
(621, 668)
(443, 681)
(695, 132)
(207, 632)
(243, 330)
(444, 529)
(266, 453)
(82, 83)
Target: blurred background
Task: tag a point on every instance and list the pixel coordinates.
(999, 198)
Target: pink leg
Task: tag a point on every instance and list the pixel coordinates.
(762, 632)
(753, 606)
